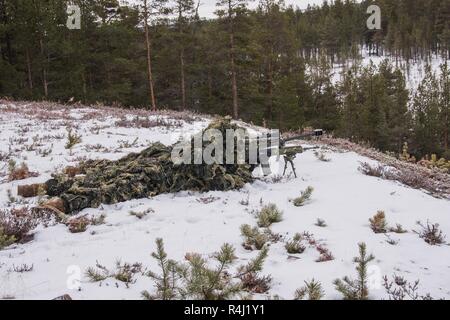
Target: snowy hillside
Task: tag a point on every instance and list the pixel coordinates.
(343, 198)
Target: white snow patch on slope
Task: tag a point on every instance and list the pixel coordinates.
(343, 197)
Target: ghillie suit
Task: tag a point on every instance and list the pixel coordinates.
(140, 175)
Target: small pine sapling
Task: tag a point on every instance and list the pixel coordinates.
(72, 139)
(295, 246)
(254, 239)
(210, 283)
(378, 222)
(97, 274)
(249, 276)
(304, 197)
(167, 282)
(312, 290)
(268, 215)
(356, 289)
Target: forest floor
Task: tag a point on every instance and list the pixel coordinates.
(345, 198)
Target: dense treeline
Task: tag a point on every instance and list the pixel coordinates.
(272, 65)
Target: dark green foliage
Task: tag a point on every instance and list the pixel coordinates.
(282, 63)
(356, 289)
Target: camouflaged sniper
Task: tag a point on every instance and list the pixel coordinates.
(148, 173)
(141, 175)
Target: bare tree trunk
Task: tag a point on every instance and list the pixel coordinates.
(149, 61)
(183, 81)
(30, 77)
(232, 63)
(270, 86)
(83, 79)
(44, 69)
(182, 73)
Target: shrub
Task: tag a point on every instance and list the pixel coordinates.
(99, 274)
(268, 215)
(398, 229)
(249, 276)
(356, 289)
(372, 171)
(5, 240)
(78, 224)
(19, 173)
(295, 246)
(141, 214)
(305, 196)
(431, 233)
(378, 222)
(96, 221)
(15, 226)
(72, 139)
(124, 272)
(321, 156)
(401, 289)
(312, 290)
(321, 223)
(325, 254)
(254, 239)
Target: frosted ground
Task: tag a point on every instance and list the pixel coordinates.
(194, 222)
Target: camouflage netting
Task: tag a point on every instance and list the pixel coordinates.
(140, 175)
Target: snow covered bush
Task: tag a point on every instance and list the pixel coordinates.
(254, 239)
(268, 215)
(378, 222)
(356, 289)
(295, 245)
(15, 226)
(372, 171)
(304, 196)
(398, 229)
(78, 224)
(321, 156)
(312, 290)
(431, 233)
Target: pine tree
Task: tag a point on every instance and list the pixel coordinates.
(356, 289)
(229, 9)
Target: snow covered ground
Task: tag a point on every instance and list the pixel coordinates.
(193, 222)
